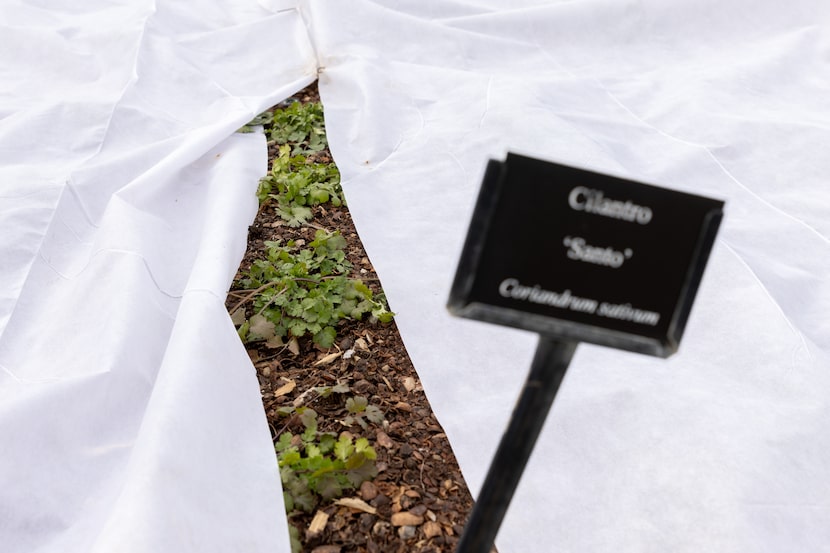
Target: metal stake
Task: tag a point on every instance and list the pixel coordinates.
(546, 373)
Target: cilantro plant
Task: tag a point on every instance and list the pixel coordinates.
(306, 291)
(360, 411)
(317, 466)
(296, 184)
(300, 125)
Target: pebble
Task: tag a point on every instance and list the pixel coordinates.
(368, 491)
(406, 532)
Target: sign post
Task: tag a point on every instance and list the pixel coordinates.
(575, 256)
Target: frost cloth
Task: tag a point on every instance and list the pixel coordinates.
(130, 416)
(722, 447)
(129, 412)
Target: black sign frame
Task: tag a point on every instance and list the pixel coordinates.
(635, 254)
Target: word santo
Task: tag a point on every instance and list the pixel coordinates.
(586, 199)
(580, 250)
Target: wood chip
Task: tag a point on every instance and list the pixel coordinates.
(318, 523)
(356, 503)
(300, 399)
(409, 383)
(286, 388)
(360, 344)
(406, 519)
(326, 359)
(327, 549)
(294, 346)
(384, 440)
(432, 529)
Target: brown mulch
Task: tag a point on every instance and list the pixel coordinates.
(419, 495)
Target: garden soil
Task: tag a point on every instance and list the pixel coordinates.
(419, 498)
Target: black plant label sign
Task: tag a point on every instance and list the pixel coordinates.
(584, 256)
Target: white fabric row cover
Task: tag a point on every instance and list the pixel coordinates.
(724, 446)
(129, 413)
(130, 416)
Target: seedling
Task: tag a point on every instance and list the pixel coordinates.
(359, 409)
(319, 466)
(305, 291)
(296, 184)
(302, 125)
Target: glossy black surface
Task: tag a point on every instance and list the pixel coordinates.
(584, 256)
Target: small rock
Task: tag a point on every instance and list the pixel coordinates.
(368, 491)
(406, 532)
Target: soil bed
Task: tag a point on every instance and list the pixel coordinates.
(419, 497)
